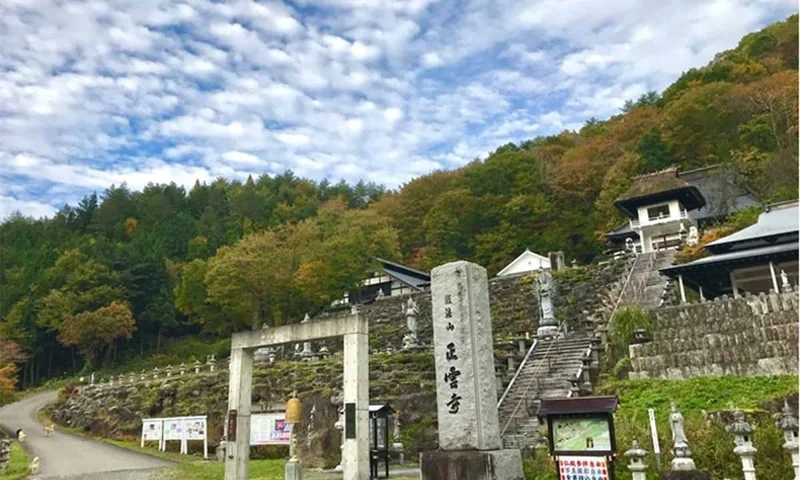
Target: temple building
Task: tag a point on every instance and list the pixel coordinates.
(756, 259)
(526, 263)
(387, 280)
(664, 208)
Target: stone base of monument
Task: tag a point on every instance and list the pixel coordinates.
(471, 465)
(292, 471)
(548, 332)
(414, 348)
(685, 475)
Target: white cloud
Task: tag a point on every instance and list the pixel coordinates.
(32, 208)
(95, 93)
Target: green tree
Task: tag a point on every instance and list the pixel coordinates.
(653, 151)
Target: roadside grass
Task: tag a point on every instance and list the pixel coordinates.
(259, 470)
(17, 464)
(192, 467)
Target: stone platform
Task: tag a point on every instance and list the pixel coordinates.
(471, 465)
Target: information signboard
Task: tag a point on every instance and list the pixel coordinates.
(269, 429)
(151, 430)
(581, 434)
(194, 428)
(173, 429)
(176, 428)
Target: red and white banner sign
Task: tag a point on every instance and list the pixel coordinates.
(582, 468)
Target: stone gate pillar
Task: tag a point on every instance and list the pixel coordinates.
(240, 388)
(356, 406)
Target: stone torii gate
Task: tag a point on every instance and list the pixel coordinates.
(354, 329)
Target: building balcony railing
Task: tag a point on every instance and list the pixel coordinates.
(661, 219)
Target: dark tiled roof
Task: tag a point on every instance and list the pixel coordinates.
(409, 276)
(623, 230)
(718, 186)
(771, 224)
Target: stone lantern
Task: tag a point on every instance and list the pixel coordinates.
(182, 369)
(121, 378)
(155, 373)
(637, 465)
(142, 375)
(743, 438)
(788, 423)
(212, 363)
(169, 370)
(131, 378)
(197, 366)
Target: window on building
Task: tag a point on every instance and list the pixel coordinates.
(659, 211)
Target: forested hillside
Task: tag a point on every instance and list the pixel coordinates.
(120, 270)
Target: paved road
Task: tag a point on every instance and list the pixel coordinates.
(66, 455)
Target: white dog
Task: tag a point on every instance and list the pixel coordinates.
(20, 436)
(34, 466)
(48, 430)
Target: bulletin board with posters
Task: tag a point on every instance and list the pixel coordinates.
(269, 429)
(173, 429)
(152, 431)
(195, 429)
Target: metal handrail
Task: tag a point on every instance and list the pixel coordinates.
(511, 417)
(516, 374)
(527, 388)
(624, 286)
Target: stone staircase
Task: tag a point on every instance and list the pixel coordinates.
(646, 287)
(555, 368)
(549, 371)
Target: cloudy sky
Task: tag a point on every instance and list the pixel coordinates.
(94, 93)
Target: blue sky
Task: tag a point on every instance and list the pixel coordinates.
(94, 93)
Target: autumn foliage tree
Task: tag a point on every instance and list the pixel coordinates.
(11, 354)
(95, 333)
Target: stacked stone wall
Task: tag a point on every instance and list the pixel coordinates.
(750, 336)
(580, 292)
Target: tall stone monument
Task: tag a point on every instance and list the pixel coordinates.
(470, 447)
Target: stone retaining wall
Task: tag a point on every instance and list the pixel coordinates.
(751, 336)
(580, 292)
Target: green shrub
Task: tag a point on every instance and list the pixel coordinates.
(623, 327)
